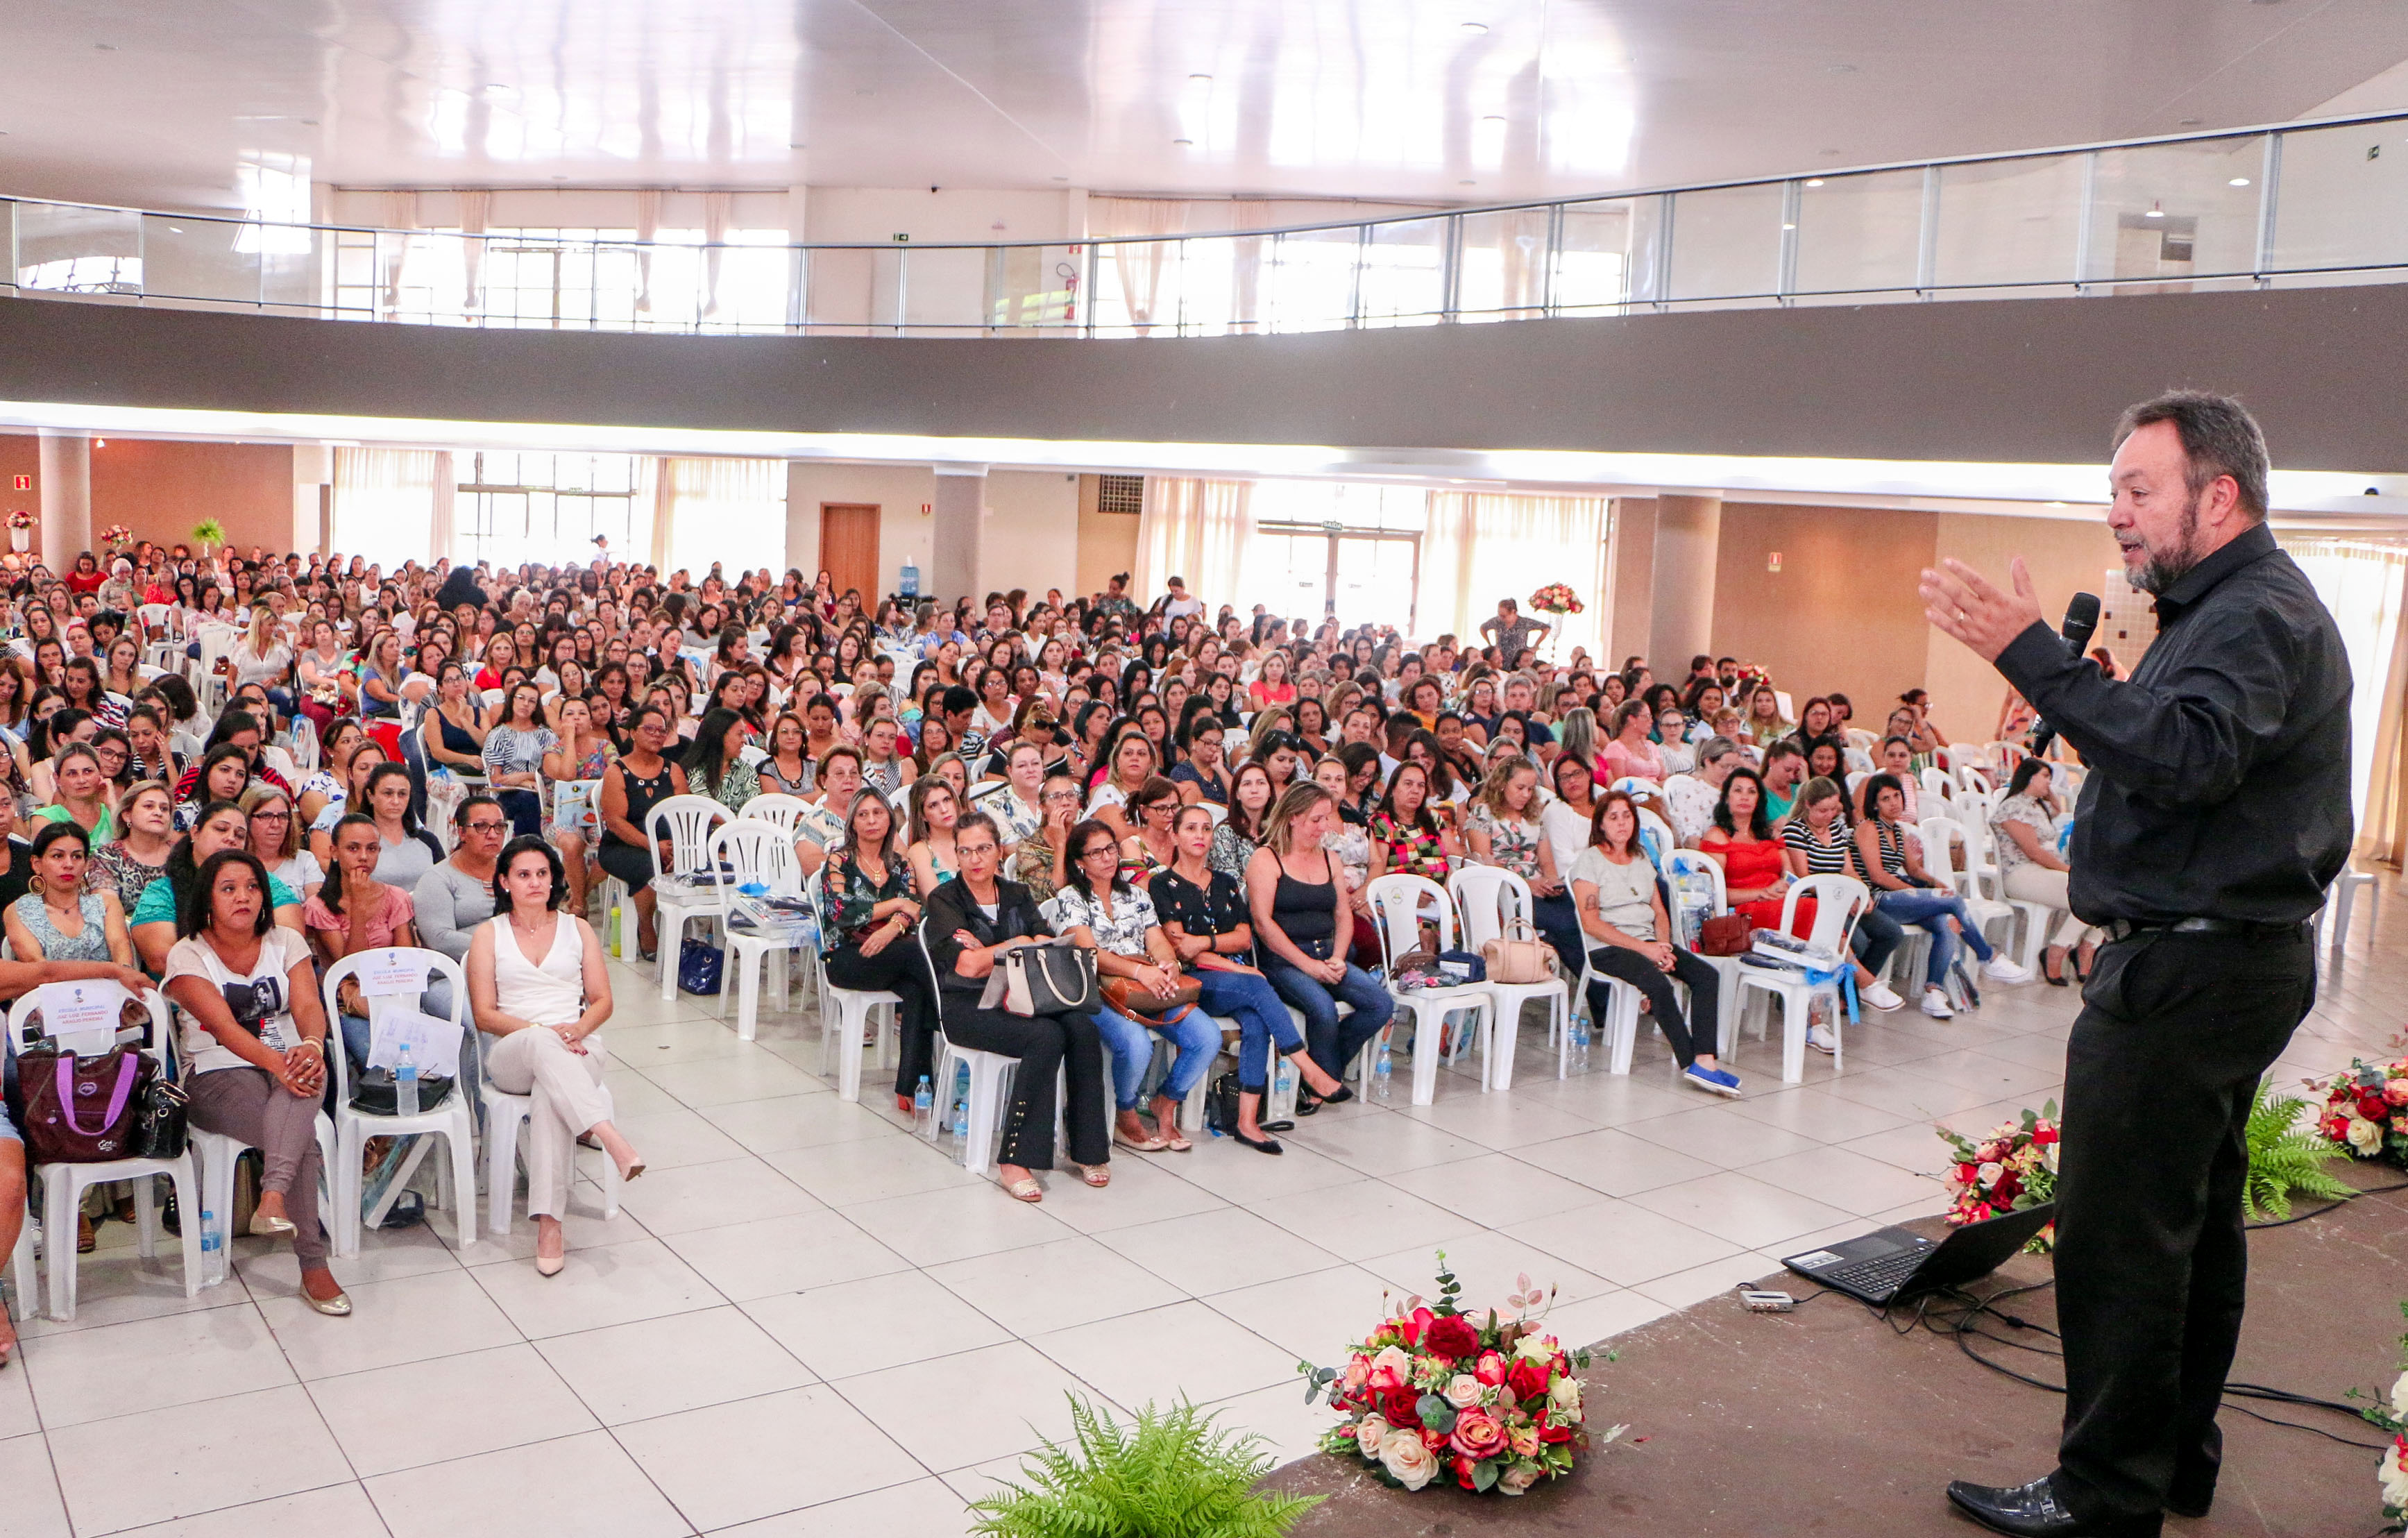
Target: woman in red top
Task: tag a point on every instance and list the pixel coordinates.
(87, 575)
(1270, 687)
(1755, 870)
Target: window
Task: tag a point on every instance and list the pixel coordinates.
(730, 513)
(568, 278)
(1347, 549)
(516, 507)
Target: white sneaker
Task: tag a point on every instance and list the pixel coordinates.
(2004, 970)
(1822, 1038)
(1880, 995)
(1935, 1004)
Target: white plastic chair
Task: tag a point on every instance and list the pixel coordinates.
(1727, 968)
(1490, 896)
(1397, 905)
(217, 643)
(1938, 859)
(1838, 902)
(990, 1087)
(778, 807)
(2333, 917)
(63, 1185)
(1938, 787)
(218, 1154)
(454, 1120)
(750, 850)
(505, 1113)
(24, 1289)
(853, 1010)
(688, 822)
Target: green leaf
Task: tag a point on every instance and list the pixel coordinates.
(1172, 1473)
(1484, 1473)
(1436, 1414)
(2286, 1158)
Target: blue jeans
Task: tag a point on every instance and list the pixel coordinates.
(1930, 910)
(1334, 1042)
(1132, 1047)
(1262, 1019)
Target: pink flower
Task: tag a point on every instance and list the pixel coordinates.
(2396, 1091)
(1490, 1369)
(1358, 1373)
(1477, 1435)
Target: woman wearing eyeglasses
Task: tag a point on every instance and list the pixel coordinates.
(1038, 860)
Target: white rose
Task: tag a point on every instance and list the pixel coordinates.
(2365, 1136)
(1988, 1173)
(2395, 1477)
(1535, 1347)
(1517, 1479)
(1403, 1456)
(1564, 1394)
(1462, 1390)
(1368, 1432)
(2400, 1397)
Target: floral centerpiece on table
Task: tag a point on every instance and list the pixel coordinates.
(1556, 598)
(2012, 1167)
(1488, 1397)
(21, 518)
(2365, 1110)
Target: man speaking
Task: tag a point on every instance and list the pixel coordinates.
(2216, 810)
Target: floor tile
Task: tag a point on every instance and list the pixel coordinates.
(953, 1223)
(804, 1249)
(756, 1457)
(859, 1170)
(449, 1407)
(32, 1500)
(1914, 1147)
(1721, 1135)
(1248, 1178)
(191, 1462)
(672, 1364)
(1315, 1315)
(584, 1485)
(1844, 1178)
(385, 1255)
(1382, 1145)
(1490, 1266)
(1366, 1217)
(616, 1285)
(688, 1040)
(796, 1121)
(1906, 1093)
(1499, 1121)
(925, 1507)
(1819, 1114)
(584, 1228)
(416, 1318)
(1157, 1356)
(1289, 1428)
(124, 1287)
(1494, 1190)
(1218, 1250)
(710, 1195)
(1145, 1188)
(724, 1080)
(1614, 1161)
(1049, 1287)
(996, 1402)
(334, 1511)
(92, 1374)
(668, 1140)
(1594, 1320)
(1600, 1099)
(853, 1328)
(1624, 1244)
(1745, 1211)
(1714, 1279)
(17, 1414)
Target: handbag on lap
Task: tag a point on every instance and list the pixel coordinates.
(1055, 977)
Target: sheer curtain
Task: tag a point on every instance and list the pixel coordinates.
(1483, 546)
(1138, 264)
(1198, 530)
(385, 503)
(729, 510)
(2365, 585)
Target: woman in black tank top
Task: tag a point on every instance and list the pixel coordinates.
(639, 782)
(1302, 926)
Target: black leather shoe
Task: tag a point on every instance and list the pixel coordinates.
(2033, 1511)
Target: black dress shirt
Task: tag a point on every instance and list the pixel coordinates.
(2219, 779)
(952, 910)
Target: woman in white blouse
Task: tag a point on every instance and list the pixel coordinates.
(537, 982)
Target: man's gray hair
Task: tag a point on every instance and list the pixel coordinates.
(2218, 437)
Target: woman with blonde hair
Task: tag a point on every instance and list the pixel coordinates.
(936, 807)
(1303, 925)
(1507, 829)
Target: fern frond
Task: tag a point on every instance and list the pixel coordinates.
(2285, 1157)
(1171, 1473)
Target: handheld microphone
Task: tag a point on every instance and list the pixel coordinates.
(2081, 621)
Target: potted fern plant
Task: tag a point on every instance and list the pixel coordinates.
(1171, 1473)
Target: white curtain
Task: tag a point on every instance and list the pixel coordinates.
(1483, 546)
(2364, 584)
(385, 503)
(474, 205)
(1246, 263)
(1198, 530)
(1138, 264)
(729, 510)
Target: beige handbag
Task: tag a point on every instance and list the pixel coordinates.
(1519, 955)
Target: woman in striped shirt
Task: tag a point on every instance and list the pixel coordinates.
(1818, 842)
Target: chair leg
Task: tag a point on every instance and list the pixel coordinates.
(351, 1147)
(748, 993)
(1428, 1027)
(59, 1195)
(464, 1181)
(848, 1022)
(1496, 1058)
(1794, 1010)
(146, 1218)
(185, 1184)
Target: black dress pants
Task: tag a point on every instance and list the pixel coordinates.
(902, 970)
(1044, 1044)
(2152, 1259)
(1624, 964)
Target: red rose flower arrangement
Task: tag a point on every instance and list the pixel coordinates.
(2365, 1110)
(1487, 1399)
(1556, 598)
(2011, 1168)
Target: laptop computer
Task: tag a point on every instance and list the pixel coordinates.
(1893, 1263)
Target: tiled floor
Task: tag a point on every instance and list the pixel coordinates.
(808, 1322)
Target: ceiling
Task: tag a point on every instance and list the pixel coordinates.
(159, 104)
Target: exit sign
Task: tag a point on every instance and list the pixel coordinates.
(24, 482)
(1772, 562)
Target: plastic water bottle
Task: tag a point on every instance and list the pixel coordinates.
(405, 1085)
(1579, 1043)
(1284, 1084)
(212, 1240)
(922, 1099)
(1383, 1076)
(961, 1122)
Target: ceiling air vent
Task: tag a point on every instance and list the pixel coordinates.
(1119, 494)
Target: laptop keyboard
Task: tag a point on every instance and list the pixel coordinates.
(1882, 1274)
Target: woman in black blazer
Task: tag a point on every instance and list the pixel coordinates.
(963, 943)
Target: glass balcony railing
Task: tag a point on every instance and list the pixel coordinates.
(2290, 205)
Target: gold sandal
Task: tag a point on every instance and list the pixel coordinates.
(1024, 1189)
(1097, 1175)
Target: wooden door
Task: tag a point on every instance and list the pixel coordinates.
(849, 549)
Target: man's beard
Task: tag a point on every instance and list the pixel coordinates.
(2163, 569)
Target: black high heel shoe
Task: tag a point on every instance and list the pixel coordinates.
(1260, 1145)
(2057, 979)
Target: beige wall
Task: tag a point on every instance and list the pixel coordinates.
(899, 491)
(2065, 556)
(1031, 538)
(162, 489)
(1840, 613)
(1107, 541)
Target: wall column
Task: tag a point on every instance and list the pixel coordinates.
(1680, 621)
(66, 498)
(1631, 580)
(960, 522)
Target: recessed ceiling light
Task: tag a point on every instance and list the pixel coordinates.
(1788, 227)
(1206, 78)
(1475, 26)
(1467, 182)
(2238, 181)
(1814, 181)
(1494, 117)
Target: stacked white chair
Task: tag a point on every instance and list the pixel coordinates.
(1489, 897)
(751, 850)
(686, 822)
(63, 1185)
(453, 1119)
(1399, 903)
(1838, 902)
